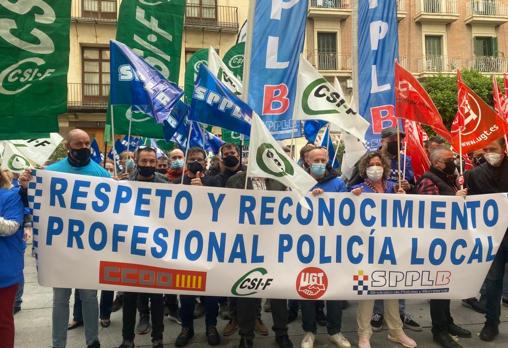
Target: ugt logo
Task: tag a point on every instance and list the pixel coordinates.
(471, 113)
(311, 283)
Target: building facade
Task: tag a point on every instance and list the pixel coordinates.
(435, 36)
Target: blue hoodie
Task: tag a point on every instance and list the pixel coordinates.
(331, 183)
(11, 247)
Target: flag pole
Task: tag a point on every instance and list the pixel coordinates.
(461, 171)
(293, 145)
(398, 153)
(186, 151)
(405, 152)
(113, 137)
(336, 151)
(129, 135)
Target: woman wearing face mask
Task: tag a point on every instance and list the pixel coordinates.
(374, 168)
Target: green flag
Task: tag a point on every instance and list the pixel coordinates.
(234, 61)
(34, 60)
(191, 71)
(153, 29)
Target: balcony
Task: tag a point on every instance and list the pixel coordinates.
(87, 97)
(211, 18)
(339, 9)
(94, 11)
(490, 64)
(436, 11)
(332, 63)
(488, 12)
(401, 10)
(440, 64)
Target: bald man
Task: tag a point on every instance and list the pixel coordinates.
(176, 163)
(78, 161)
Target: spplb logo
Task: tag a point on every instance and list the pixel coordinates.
(311, 283)
(251, 282)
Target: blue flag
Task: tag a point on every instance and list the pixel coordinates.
(214, 104)
(213, 143)
(312, 128)
(134, 82)
(124, 144)
(179, 113)
(97, 156)
(182, 134)
(327, 142)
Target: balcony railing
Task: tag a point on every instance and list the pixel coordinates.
(332, 61)
(212, 17)
(444, 11)
(486, 8)
(440, 64)
(94, 10)
(331, 4)
(87, 97)
(490, 64)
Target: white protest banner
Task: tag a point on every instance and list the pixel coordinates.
(96, 233)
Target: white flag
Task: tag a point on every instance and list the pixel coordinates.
(223, 73)
(354, 149)
(268, 160)
(317, 99)
(21, 154)
(12, 159)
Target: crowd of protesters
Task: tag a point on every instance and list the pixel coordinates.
(375, 172)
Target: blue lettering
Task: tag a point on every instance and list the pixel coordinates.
(477, 253)
(123, 195)
(117, 238)
(402, 217)
(141, 201)
(100, 194)
(161, 247)
(299, 211)
(267, 208)
(459, 215)
(387, 252)
(354, 259)
(77, 193)
(247, 206)
(215, 203)
(238, 250)
(285, 245)
(415, 260)
(256, 258)
(305, 238)
(176, 244)
(193, 256)
(285, 219)
(490, 203)
(55, 228)
(137, 239)
(347, 221)
(216, 247)
(437, 214)
(164, 196)
(325, 210)
(453, 251)
(183, 195)
(367, 202)
(57, 189)
(434, 245)
(323, 258)
(76, 230)
(98, 226)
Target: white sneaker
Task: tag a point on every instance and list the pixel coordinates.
(339, 340)
(308, 340)
(363, 342)
(403, 339)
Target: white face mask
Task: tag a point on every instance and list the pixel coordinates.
(375, 173)
(493, 158)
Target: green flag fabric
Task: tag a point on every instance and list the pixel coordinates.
(234, 61)
(191, 71)
(153, 29)
(34, 60)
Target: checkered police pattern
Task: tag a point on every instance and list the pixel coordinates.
(361, 283)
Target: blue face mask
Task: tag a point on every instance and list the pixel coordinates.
(317, 170)
(177, 164)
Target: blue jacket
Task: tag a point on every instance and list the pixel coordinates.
(331, 183)
(390, 187)
(91, 169)
(11, 247)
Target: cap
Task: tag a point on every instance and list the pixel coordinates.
(392, 131)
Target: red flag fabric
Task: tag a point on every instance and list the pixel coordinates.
(415, 136)
(505, 79)
(413, 103)
(500, 103)
(480, 124)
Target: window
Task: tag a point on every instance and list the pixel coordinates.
(203, 9)
(100, 9)
(95, 75)
(434, 53)
(327, 51)
(485, 54)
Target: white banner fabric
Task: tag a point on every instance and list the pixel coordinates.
(96, 233)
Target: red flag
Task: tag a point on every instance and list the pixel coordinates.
(500, 103)
(415, 136)
(505, 79)
(413, 103)
(480, 124)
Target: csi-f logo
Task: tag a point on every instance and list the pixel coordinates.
(17, 163)
(311, 283)
(236, 62)
(251, 282)
(319, 92)
(272, 161)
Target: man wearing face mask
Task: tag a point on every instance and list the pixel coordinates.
(162, 165)
(77, 162)
(230, 156)
(146, 165)
(176, 164)
(441, 179)
(195, 175)
(491, 177)
(328, 181)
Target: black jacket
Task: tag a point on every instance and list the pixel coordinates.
(487, 179)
